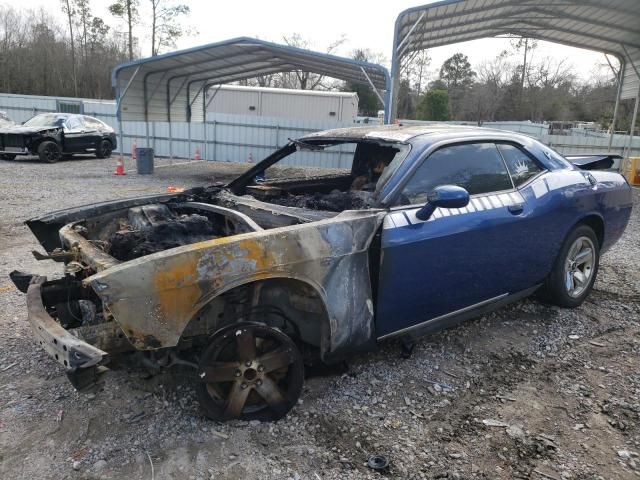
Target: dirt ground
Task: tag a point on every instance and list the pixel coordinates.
(528, 392)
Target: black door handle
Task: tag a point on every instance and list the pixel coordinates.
(516, 209)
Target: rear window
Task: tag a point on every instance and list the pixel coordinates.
(521, 166)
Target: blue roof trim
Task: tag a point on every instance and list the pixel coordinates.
(241, 40)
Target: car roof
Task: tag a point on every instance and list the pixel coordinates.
(404, 133)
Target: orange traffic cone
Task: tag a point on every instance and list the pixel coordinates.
(119, 167)
(134, 147)
(197, 155)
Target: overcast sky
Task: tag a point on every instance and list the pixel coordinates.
(366, 24)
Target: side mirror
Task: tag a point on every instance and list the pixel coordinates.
(444, 196)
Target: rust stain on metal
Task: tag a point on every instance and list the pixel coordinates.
(157, 295)
(175, 289)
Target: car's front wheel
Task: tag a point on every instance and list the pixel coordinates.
(575, 269)
(103, 149)
(249, 371)
(49, 152)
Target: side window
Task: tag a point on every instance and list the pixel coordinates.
(477, 167)
(73, 123)
(521, 166)
(92, 123)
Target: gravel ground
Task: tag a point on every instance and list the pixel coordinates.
(530, 391)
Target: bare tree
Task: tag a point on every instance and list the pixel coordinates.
(417, 71)
(70, 11)
(128, 11)
(36, 55)
(165, 28)
(308, 80)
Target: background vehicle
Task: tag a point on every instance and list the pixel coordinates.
(52, 135)
(5, 122)
(430, 226)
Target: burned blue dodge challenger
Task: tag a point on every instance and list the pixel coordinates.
(242, 285)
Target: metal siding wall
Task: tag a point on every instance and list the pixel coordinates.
(234, 137)
(568, 144)
(235, 102)
(301, 106)
(631, 82)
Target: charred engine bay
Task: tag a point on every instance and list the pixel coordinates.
(334, 200)
(154, 228)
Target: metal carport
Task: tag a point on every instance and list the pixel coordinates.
(608, 26)
(171, 87)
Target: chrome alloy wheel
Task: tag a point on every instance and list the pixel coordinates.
(579, 266)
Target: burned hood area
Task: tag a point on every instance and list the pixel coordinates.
(153, 228)
(146, 229)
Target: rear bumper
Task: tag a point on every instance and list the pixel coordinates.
(82, 362)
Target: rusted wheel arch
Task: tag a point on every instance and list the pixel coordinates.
(293, 284)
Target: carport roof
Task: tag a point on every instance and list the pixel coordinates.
(166, 87)
(609, 26)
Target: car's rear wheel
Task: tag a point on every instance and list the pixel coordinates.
(104, 149)
(249, 371)
(49, 152)
(575, 269)
(7, 156)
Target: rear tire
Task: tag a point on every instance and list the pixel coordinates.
(7, 156)
(104, 149)
(575, 269)
(49, 152)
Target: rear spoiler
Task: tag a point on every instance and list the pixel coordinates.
(593, 162)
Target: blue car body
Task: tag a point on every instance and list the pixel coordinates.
(500, 247)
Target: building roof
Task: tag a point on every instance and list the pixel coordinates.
(170, 87)
(609, 26)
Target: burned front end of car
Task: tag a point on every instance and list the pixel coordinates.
(19, 140)
(167, 278)
(160, 275)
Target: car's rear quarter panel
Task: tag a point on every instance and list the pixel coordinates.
(560, 199)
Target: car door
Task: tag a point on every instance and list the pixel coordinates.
(74, 135)
(93, 131)
(458, 259)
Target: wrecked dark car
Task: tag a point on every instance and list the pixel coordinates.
(52, 136)
(426, 226)
(5, 120)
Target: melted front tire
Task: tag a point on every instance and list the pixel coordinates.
(249, 371)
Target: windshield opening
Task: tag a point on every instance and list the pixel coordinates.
(347, 173)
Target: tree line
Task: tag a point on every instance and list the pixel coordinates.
(515, 85)
(41, 55)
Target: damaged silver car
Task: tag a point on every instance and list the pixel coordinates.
(247, 283)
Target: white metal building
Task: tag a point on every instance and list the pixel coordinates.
(279, 102)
